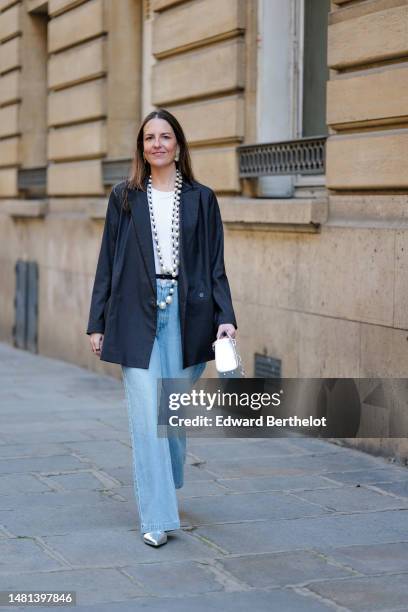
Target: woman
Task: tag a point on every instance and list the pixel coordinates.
(160, 299)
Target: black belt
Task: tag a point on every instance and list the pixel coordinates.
(167, 276)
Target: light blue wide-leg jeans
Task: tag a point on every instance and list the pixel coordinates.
(158, 462)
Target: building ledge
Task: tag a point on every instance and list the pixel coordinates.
(37, 6)
(24, 208)
(270, 214)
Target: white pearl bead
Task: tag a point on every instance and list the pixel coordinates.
(169, 299)
(162, 305)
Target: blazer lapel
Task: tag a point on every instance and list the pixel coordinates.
(189, 202)
(141, 221)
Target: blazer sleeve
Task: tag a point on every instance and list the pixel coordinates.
(103, 276)
(220, 286)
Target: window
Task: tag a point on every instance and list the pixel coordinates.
(292, 76)
(314, 68)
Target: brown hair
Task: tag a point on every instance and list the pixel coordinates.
(140, 168)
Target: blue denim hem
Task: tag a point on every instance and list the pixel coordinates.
(160, 527)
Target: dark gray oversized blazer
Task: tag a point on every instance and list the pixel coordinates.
(123, 304)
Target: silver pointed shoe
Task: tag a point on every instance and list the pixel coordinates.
(155, 538)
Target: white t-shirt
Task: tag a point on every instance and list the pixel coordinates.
(162, 207)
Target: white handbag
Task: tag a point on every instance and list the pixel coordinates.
(228, 361)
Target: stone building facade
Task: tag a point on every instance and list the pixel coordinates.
(296, 112)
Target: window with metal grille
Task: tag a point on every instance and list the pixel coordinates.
(267, 367)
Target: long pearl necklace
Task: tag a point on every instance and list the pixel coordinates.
(174, 235)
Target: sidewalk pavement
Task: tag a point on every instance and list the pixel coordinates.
(267, 525)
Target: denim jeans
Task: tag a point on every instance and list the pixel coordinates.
(158, 462)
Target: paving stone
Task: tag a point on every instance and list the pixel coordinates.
(175, 579)
(194, 441)
(194, 473)
(54, 499)
(373, 558)
(200, 489)
(297, 465)
(118, 422)
(23, 483)
(106, 454)
(121, 547)
(245, 507)
(397, 488)
(304, 533)
(278, 600)
(39, 417)
(103, 433)
(69, 411)
(372, 476)
(31, 450)
(123, 474)
(91, 586)
(15, 429)
(43, 520)
(22, 555)
(82, 480)
(245, 448)
(54, 463)
(315, 445)
(366, 594)
(277, 483)
(192, 459)
(282, 569)
(46, 437)
(352, 499)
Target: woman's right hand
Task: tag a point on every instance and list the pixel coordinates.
(96, 341)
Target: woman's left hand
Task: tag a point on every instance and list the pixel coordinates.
(224, 329)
